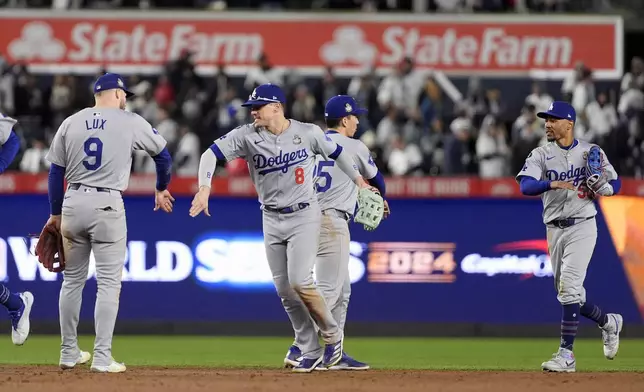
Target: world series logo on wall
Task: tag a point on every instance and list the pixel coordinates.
(411, 262)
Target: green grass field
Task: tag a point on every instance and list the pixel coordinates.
(380, 353)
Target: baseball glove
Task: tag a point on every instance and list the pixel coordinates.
(596, 179)
(49, 249)
(371, 208)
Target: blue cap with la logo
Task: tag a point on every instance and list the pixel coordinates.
(561, 110)
(265, 94)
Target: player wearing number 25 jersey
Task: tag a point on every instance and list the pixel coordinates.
(92, 150)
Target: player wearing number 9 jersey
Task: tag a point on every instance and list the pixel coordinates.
(281, 156)
(558, 171)
(337, 197)
(92, 150)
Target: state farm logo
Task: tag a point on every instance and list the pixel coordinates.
(100, 42)
(489, 46)
(37, 41)
(348, 46)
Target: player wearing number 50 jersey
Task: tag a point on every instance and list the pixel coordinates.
(559, 172)
(18, 304)
(337, 197)
(281, 157)
(92, 150)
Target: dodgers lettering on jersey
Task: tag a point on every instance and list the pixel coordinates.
(335, 189)
(551, 162)
(280, 166)
(6, 125)
(95, 146)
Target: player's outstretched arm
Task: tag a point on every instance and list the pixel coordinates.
(207, 166)
(10, 143)
(162, 198)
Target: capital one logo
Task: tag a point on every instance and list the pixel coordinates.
(37, 42)
(349, 45)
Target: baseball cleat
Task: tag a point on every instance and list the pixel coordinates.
(20, 325)
(113, 367)
(83, 358)
(610, 334)
(332, 353)
(562, 362)
(348, 363)
(307, 365)
(293, 357)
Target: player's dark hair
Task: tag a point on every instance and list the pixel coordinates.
(333, 123)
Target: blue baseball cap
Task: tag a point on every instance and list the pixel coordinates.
(265, 94)
(341, 106)
(111, 81)
(561, 110)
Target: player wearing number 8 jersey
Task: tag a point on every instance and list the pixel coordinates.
(281, 156)
(337, 196)
(569, 174)
(92, 150)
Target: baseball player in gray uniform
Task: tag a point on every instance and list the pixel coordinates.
(93, 150)
(18, 304)
(569, 174)
(281, 156)
(337, 198)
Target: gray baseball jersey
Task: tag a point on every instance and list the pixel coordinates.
(335, 189)
(551, 162)
(6, 125)
(95, 146)
(281, 166)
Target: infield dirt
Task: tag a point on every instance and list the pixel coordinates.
(156, 379)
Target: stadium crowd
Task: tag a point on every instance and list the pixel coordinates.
(412, 127)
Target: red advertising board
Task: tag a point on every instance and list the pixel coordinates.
(397, 187)
(503, 45)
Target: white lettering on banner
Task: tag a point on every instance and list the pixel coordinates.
(495, 47)
(97, 43)
(537, 265)
(26, 261)
(215, 261)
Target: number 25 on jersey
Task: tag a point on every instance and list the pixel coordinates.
(321, 174)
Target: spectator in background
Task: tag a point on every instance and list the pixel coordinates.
(630, 107)
(30, 105)
(636, 74)
(164, 92)
(388, 128)
(492, 149)
(403, 158)
(7, 87)
(168, 128)
(262, 74)
(570, 82)
(61, 99)
(188, 153)
(326, 88)
(527, 134)
(539, 98)
(33, 160)
(457, 154)
(583, 92)
(401, 89)
(364, 88)
(602, 119)
(304, 105)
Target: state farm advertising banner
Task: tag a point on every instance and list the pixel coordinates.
(504, 45)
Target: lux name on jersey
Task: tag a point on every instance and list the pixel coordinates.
(280, 162)
(576, 173)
